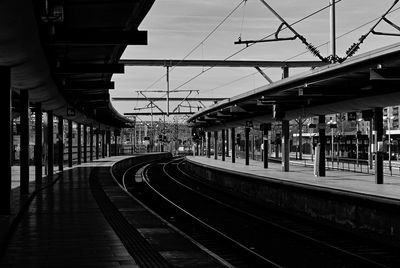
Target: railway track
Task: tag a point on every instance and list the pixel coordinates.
(246, 234)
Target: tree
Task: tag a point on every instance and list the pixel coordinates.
(300, 122)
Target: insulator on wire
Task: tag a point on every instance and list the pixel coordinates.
(311, 48)
(334, 59)
(353, 49)
(315, 51)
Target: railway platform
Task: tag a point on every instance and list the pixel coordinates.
(350, 200)
(347, 181)
(81, 218)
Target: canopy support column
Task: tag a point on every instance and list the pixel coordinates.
(215, 145)
(69, 143)
(60, 143)
(38, 151)
(285, 145)
(24, 152)
(5, 181)
(322, 143)
(247, 145)
(233, 144)
(223, 144)
(378, 128)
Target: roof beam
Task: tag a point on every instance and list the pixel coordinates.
(89, 85)
(221, 63)
(99, 2)
(221, 114)
(90, 68)
(163, 99)
(90, 37)
(237, 110)
(387, 74)
(264, 74)
(159, 113)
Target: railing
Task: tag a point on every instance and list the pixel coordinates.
(341, 163)
(350, 164)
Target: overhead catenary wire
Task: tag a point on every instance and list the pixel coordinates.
(201, 43)
(309, 46)
(354, 47)
(304, 52)
(246, 47)
(243, 15)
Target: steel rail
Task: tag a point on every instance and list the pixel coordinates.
(204, 223)
(298, 234)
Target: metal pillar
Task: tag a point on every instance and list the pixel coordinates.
(215, 144)
(24, 152)
(5, 181)
(91, 143)
(103, 144)
(265, 145)
(97, 143)
(333, 30)
(50, 143)
(60, 143)
(84, 144)
(167, 90)
(253, 147)
(223, 144)
(378, 129)
(233, 145)
(285, 72)
(38, 144)
(69, 143)
(79, 143)
(227, 142)
(322, 142)
(371, 141)
(108, 142)
(115, 144)
(285, 145)
(277, 144)
(247, 145)
(201, 149)
(208, 144)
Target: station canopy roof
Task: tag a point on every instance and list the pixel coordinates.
(65, 52)
(362, 82)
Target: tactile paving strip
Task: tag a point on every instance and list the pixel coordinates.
(143, 253)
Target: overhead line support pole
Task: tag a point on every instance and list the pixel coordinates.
(333, 30)
(167, 90)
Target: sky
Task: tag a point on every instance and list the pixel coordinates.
(176, 27)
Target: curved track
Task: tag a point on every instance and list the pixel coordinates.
(246, 234)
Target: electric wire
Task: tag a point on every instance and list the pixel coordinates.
(302, 53)
(244, 13)
(249, 45)
(200, 43)
(344, 34)
(234, 54)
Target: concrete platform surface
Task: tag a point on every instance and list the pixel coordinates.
(64, 227)
(82, 218)
(360, 183)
